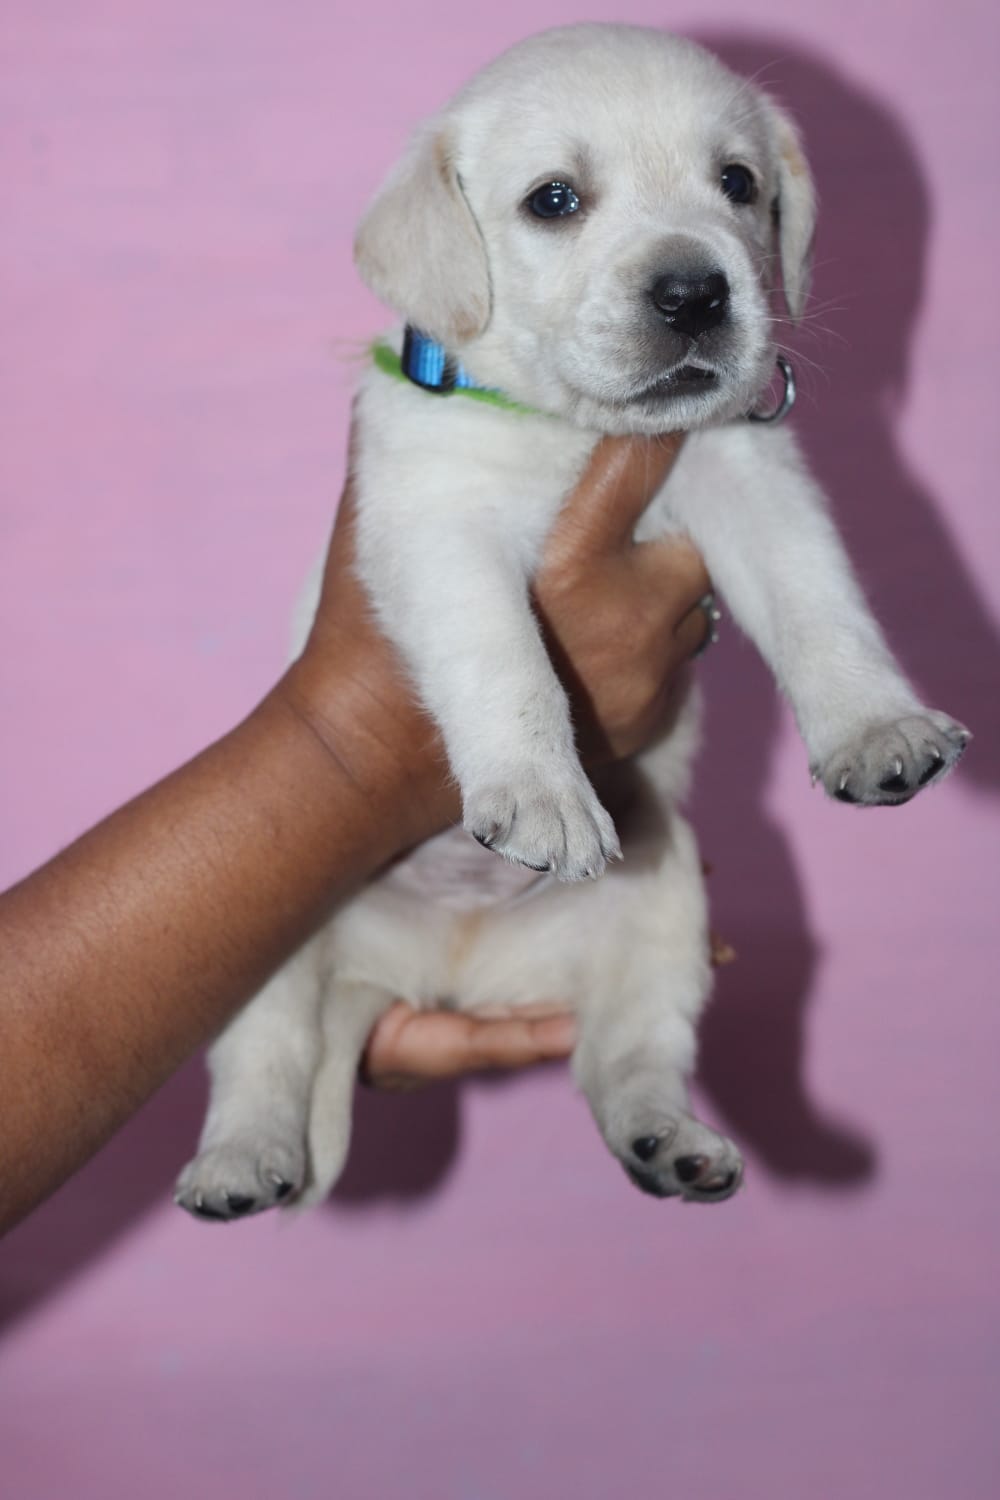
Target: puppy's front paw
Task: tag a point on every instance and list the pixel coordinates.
(545, 818)
(241, 1177)
(682, 1159)
(887, 764)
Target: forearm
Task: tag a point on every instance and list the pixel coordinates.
(135, 945)
(138, 943)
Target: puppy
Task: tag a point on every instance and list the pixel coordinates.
(589, 228)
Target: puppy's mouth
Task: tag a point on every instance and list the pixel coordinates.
(685, 380)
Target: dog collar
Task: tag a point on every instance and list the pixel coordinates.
(787, 399)
(426, 363)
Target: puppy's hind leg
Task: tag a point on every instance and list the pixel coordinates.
(637, 1032)
(252, 1153)
(350, 1011)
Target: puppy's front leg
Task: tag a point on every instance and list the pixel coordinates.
(452, 593)
(762, 526)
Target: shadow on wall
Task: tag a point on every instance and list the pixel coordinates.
(853, 356)
(870, 269)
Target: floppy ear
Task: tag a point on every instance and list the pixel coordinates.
(794, 209)
(419, 248)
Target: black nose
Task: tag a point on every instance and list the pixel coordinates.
(692, 304)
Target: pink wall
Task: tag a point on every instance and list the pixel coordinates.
(487, 1310)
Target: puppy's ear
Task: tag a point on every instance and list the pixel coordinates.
(419, 248)
(794, 209)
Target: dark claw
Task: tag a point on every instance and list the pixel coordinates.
(935, 766)
(649, 1183)
(204, 1212)
(645, 1146)
(542, 869)
(843, 794)
(481, 838)
(240, 1204)
(688, 1168)
(282, 1189)
(895, 783)
(720, 1187)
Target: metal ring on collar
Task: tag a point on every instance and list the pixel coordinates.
(787, 401)
(713, 614)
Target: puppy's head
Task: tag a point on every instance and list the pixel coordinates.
(593, 226)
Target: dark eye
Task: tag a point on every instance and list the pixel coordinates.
(553, 201)
(738, 183)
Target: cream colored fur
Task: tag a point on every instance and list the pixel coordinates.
(456, 500)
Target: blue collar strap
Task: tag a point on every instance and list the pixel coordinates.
(428, 364)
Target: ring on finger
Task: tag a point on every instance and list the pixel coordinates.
(713, 615)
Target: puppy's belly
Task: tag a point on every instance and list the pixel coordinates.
(470, 887)
(453, 926)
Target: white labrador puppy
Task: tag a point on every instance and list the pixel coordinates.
(590, 228)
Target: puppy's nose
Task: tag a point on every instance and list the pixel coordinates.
(692, 304)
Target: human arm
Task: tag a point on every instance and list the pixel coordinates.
(137, 943)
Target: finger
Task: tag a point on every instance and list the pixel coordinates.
(340, 553)
(622, 476)
(519, 1042)
(409, 1047)
(693, 633)
(671, 573)
(339, 574)
(671, 568)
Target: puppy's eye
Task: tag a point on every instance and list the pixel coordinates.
(738, 183)
(553, 201)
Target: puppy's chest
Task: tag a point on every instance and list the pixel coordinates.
(430, 459)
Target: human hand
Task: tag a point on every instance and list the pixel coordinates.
(621, 618)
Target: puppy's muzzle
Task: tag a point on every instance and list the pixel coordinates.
(691, 304)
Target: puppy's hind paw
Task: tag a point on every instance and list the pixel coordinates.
(887, 764)
(684, 1159)
(240, 1178)
(548, 821)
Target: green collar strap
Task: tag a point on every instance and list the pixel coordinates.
(388, 361)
